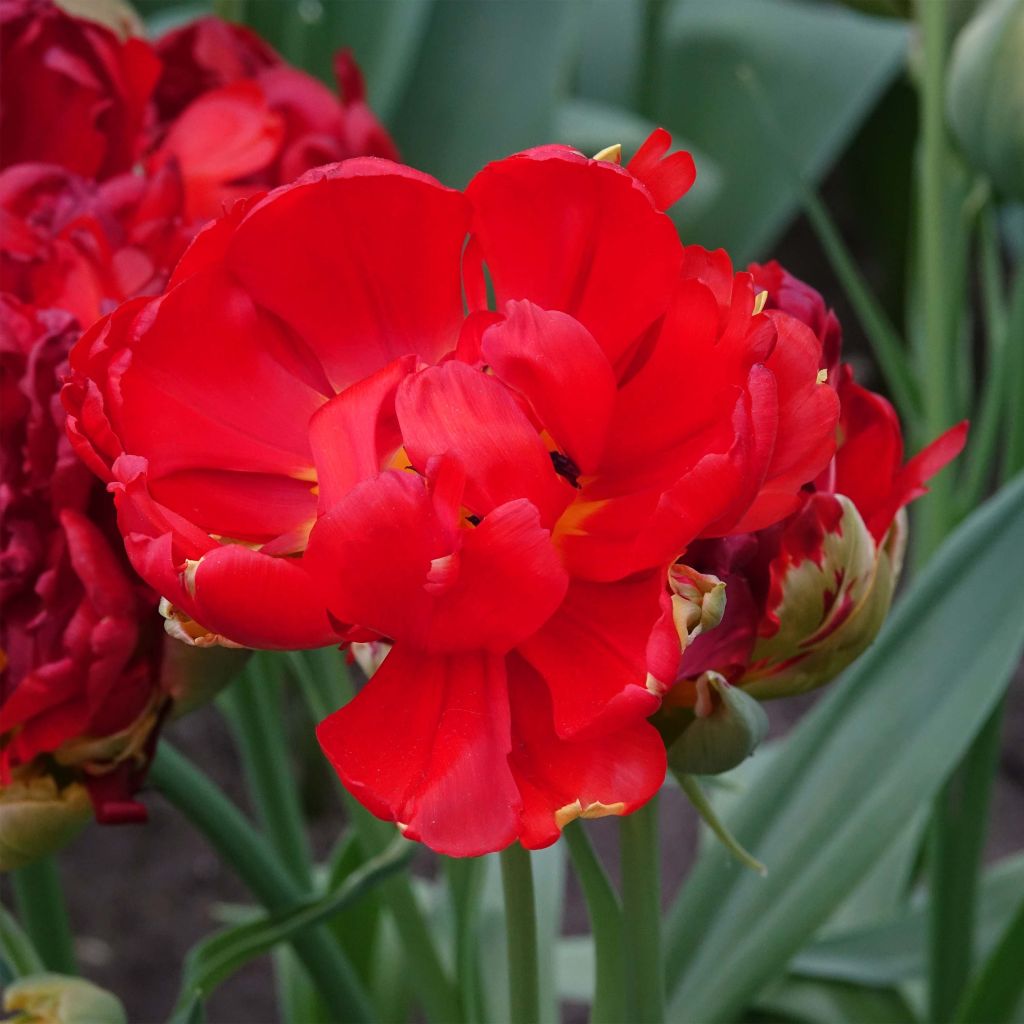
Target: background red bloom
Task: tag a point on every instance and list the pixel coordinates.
(74, 94)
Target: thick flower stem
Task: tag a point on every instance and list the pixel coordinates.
(641, 908)
(39, 899)
(606, 923)
(253, 707)
(521, 930)
(248, 854)
(939, 356)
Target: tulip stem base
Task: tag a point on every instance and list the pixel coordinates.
(641, 910)
(605, 913)
(39, 899)
(521, 929)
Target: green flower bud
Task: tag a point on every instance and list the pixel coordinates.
(723, 733)
(37, 818)
(59, 999)
(986, 93)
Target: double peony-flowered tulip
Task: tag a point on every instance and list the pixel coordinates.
(478, 425)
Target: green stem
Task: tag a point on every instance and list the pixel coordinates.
(988, 416)
(249, 855)
(641, 909)
(956, 844)
(324, 679)
(39, 899)
(521, 929)
(939, 363)
(1013, 461)
(885, 340)
(253, 708)
(465, 882)
(995, 993)
(606, 924)
(886, 343)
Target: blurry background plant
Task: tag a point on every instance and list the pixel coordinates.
(887, 138)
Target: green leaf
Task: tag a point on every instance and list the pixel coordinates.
(219, 956)
(895, 951)
(486, 83)
(16, 947)
(857, 768)
(802, 999)
(820, 70)
(996, 990)
(703, 806)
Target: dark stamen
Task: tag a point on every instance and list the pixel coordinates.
(565, 467)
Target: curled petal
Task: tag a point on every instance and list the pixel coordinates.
(578, 236)
(425, 744)
(564, 779)
(556, 363)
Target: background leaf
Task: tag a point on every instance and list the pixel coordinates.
(818, 68)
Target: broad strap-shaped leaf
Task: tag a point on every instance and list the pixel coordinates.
(818, 70)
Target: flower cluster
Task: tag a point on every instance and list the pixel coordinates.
(113, 153)
(482, 427)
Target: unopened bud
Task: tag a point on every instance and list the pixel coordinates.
(59, 999)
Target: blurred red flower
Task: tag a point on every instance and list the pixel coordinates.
(806, 596)
(78, 629)
(236, 118)
(83, 247)
(309, 440)
(74, 94)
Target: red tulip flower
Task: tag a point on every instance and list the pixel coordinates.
(806, 596)
(324, 432)
(74, 94)
(80, 684)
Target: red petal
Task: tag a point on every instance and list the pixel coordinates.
(868, 463)
(458, 410)
(354, 434)
(808, 412)
(252, 507)
(227, 134)
(260, 601)
(577, 236)
(371, 554)
(593, 654)
(362, 260)
(509, 582)
(667, 178)
(212, 382)
(554, 361)
(563, 779)
(426, 744)
(389, 560)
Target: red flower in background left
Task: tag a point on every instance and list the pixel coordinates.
(99, 196)
(74, 94)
